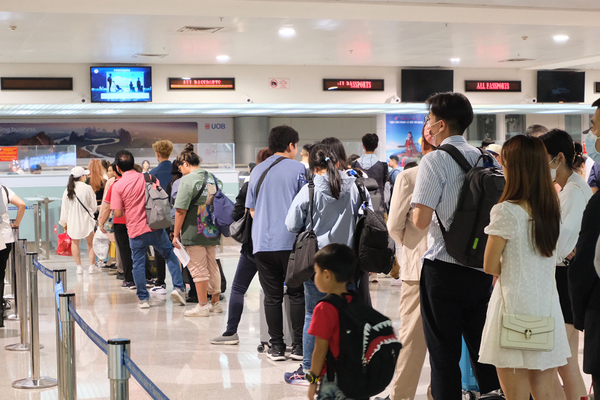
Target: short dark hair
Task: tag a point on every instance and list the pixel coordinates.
(454, 108)
(395, 158)
(536, 130)
(307, 147)
(596, 103)
(370, 141)
(410, 165)
(487, 141)
(124, 160)
(339, 259)
(559, 141)
(280, 138)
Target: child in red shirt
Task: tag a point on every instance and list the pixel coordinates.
(334, 267)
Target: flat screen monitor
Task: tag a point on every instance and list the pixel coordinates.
(561, 87)
(417, 85)
(121, 84)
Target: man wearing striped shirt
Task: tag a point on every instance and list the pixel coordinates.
(454, 297)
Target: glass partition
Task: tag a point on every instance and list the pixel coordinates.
(515, 125)
(213, 155)
(20, 160)
(483, 126)
(573, 126)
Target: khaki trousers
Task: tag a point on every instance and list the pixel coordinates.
(414, 348)
(203, 267)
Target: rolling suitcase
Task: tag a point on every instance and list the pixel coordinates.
(469, 383)
(264, 330)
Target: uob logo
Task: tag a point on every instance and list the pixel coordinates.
(214, 126)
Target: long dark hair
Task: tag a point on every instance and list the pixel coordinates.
(321, 157)
(71, 187)
(528, 180)
(336, 146)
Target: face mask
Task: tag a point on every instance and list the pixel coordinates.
(428, 136)
(553, 170)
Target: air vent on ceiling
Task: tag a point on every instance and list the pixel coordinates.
(200, 29)
(153, 55)
(519, 59)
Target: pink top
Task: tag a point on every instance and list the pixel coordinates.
(129, 195)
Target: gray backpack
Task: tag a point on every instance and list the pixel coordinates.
(158, 207)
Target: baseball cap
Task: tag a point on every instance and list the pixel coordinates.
(78, 172)
(495, 149)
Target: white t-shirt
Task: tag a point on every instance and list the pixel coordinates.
(5, 227)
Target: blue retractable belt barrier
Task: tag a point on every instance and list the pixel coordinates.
(143, 380)
(48, 272)
(94, 337)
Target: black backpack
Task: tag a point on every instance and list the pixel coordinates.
(465, 239)
(372, 243)
(375, 184)
(369, 349)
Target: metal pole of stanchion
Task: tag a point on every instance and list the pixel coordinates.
(60, 276)
(14, 315)
(47, 230)
(67, 376)
(117, 372)
(36, 227)
(21, 273)
(35, 381)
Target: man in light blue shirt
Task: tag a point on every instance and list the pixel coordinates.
(370, 143)
(592, 144)
(271, 239)
(454, 297)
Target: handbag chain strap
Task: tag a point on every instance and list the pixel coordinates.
(551, 298)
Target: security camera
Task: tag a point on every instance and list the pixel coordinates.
(393, 99)
(529, 99)
(247, 99)
(83, 100)
(534, 100)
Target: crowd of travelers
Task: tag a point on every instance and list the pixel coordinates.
(517, 301)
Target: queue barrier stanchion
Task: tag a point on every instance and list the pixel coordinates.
(21, 296)
(11, 274)
(35, 380)
(67, 372)
(117, 371)
(60, 286)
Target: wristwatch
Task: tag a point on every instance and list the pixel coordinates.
(312, 378)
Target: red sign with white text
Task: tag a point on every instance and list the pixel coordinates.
(9, 153)
(353, 84)
(492, 86)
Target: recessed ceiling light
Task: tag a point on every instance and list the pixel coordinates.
(287, 31)
(560, 38)
(455, 60)
(223, 58)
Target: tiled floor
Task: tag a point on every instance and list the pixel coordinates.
(172, 350)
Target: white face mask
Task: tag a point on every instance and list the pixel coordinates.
(553, 170)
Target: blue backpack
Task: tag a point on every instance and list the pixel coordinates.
(221, 209)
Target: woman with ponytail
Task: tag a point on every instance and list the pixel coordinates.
(336, 205)
(76, 216)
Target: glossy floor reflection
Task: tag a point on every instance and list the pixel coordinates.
(174, 351)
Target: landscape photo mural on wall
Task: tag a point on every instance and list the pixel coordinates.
(98, 139)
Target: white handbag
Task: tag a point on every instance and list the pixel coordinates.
(526, 332)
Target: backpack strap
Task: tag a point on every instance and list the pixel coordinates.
(311, 195)
(7, 196)
(361, 191)
(338, 302)
(196, 197)
(457, 156)
(264, 175)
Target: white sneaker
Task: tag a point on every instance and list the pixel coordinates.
(143, 304)
(159, 290)
(216, 307)
(94, 269)
(79, 270)
(177, 296)
(100, 264)
(198, 311)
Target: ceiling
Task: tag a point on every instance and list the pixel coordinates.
(187, 110)
(358, 33)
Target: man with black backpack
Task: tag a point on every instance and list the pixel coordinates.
(454, 295)
(280, 178)
(369, 162)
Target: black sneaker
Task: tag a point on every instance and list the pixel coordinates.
(121, 277)
(297, 353)
(277, 353)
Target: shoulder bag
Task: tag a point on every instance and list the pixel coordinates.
(526, 332)
(241, 230)
(300, 266)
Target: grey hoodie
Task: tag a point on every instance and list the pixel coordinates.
(334, 220)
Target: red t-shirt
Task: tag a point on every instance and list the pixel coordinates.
(120, 220)
(325, 324)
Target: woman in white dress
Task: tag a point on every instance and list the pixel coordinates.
(523, 233)
(573, 196)
(76, 216)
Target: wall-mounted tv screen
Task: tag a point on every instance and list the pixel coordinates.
(121, 84)
(418, 84)
(561, 87)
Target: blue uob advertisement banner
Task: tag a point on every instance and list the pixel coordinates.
(403, 137)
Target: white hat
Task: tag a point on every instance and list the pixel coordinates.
(78, 172)
(495, 149)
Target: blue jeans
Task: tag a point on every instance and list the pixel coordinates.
(311, 298)
(161, 243)
(246, 270)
